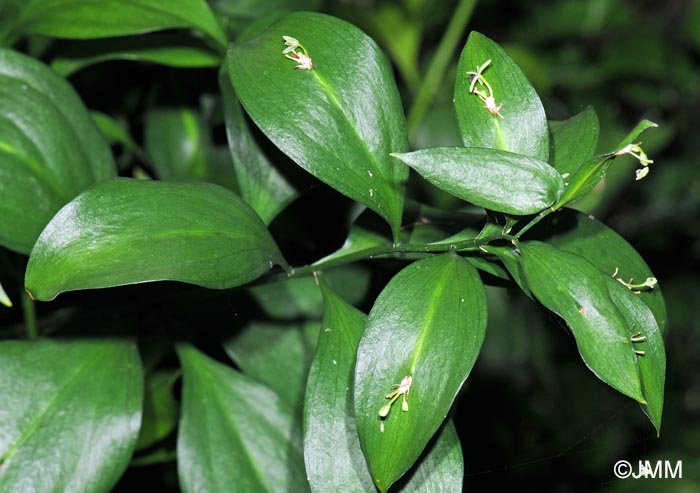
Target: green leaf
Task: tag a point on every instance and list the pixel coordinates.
(652, 364)
(591, 172)
(179, 144)
(50, 150)
(261, 184)
(574, 289)
(277, 355)
(428, 323)
(523, 128)
(234, 432)
(574, 141)
(126, 231)
(87, 19)
(636, 132)
(603, 247)
(114, 132)
(339, 120)
(440, 469)
(493, 179)
(160, 410)
(169, 49)
(74, 408)
(334, 459)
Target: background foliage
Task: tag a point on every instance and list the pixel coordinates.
(533, 418)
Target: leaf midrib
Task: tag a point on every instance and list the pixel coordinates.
(333, 97)
(429, 316)
(35, 424)
(223, 405)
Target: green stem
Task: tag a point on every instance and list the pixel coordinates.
(532, 223)
(439, 63)
(383, 250)
(29, 311)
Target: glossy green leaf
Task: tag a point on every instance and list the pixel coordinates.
(87, 19)
(573, 141)
(169, 49)
(277, 355)
(126, 231)
(603, 247)
(179, 144)
(493, 179)
(576, 290)
(652, 363)
(234, 432)
(339, 120)
(523, 128)
(634, 134)
(71, 414)
(160, 409)
(591, 172)
(260, 183)
(50, 150)
(428, 324)
(334, 459)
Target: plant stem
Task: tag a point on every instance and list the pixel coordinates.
(534, 221)
(439, 63)
(383, 250)
(29, 312)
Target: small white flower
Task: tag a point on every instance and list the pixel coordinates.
(636, 152)
(301, 57)
(487, 96)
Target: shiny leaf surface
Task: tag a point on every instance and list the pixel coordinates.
(427, 324)
(586, 236)
(334, 460)
(72, 407)
(493, 179)
(576, 290)
(50, 149)
(523, 128)
(340, 119)
(126, 231)
(234, 431)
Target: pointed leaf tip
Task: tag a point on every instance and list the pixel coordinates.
(338, 126)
